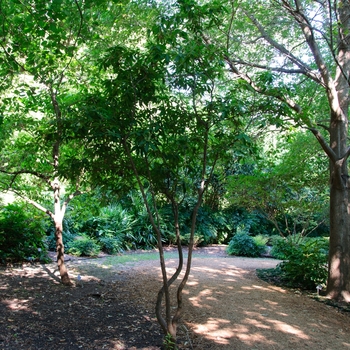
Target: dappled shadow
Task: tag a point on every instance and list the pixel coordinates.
(37, 312)
(239, 311)
(226, 307)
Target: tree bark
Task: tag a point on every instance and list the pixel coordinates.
(60, 252)
(58, 220)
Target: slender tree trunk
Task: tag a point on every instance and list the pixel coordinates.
(60, 251)
(58, 219)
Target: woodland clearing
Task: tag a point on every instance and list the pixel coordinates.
(111, 306)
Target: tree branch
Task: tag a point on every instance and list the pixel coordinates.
(35, 204)
(269, 68)
(246, 78)
(328, 150)
(29, 172)
(304, 67)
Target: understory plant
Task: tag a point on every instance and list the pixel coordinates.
(84, 246)
(243, 244)
(22, 232)
(305, 263)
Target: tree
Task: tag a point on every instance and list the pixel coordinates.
(39, 48)
(288, 190)
(296, 53)
(168, 123)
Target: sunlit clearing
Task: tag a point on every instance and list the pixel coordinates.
(230, 280)
(16, 304)
(220, 331)
(251, 339)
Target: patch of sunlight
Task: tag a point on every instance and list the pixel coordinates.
(267, 289)
(220, 331)
(261, 288)
(274, 303)
(278, 325)
(216, 272)
(17, 304)
(278, 289)
(202, 297)
(286, 328)
(257, 324)
(230, 280)
(192, 283)
(216, 330)
(118, 345)
(206, 270)
(346, 344)
(250, 338)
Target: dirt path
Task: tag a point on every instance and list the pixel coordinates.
(226, 307)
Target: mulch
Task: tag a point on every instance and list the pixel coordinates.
(37, 312)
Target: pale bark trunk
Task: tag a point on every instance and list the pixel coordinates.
(60, 252)
(58, 219)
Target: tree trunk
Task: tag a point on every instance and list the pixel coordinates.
(338, 285)
(60, 252)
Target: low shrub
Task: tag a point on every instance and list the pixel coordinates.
(278, 244)
(261, 242)
(244, 245)
(304, 260)
(84, 246)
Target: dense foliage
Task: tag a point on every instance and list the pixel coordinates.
(189, 122)
(22, 234)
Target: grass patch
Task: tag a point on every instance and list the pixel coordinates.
(137, 257)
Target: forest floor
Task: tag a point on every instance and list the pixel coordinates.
(226, 306)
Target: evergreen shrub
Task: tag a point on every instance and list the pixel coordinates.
(84, 246)
(244, 245)
(305, 263)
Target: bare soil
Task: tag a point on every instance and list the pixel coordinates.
(112, 307)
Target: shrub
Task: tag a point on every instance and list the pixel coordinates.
(261, 241)
(305, 262)
(278, 243)
(84, 246)
(22, 229)
(111, 245)
(244, 245)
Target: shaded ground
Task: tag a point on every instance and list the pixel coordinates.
(226, 307)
